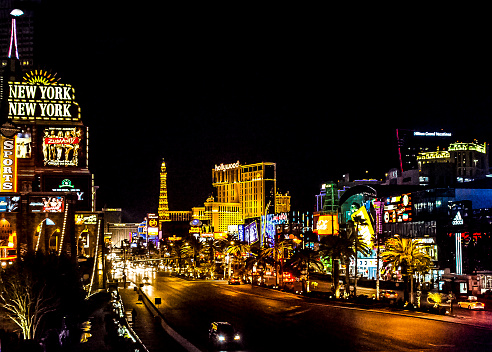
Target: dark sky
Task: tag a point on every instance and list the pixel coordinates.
(319, 93)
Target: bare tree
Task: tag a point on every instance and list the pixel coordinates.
(25, 300)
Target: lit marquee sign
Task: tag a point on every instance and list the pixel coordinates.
(81, 185)
(46, 204)
(8, 167)
(432, 134)
(327, 225)
(63, 146)
(41, 97)
(224, 167)
(152, 225)
(481, 148)
(398, 209)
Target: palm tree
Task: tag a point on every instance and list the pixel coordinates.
(339, 249)
(303, 260)
(237, 248)
(408, 254)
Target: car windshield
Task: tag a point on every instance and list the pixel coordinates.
(225, 329)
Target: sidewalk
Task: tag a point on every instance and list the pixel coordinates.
(145, 326)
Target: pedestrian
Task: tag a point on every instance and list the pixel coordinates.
(134, 315)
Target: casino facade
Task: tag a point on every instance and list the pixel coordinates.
(46, 188)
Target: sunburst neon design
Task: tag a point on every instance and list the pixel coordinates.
(40, 76)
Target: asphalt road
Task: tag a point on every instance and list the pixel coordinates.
(273, 320)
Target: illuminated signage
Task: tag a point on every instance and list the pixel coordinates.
(85, 219)
(8, 167)
(80, 185)
(481, 148)
(398, 209)
(152, 225)
(365, 231)
(9, 204)
(442, 154)
(269, 223)
(224, 167)
(251, 232)
(23, 145)
(432, 134)
(327, 225)
(63, 146)
(46, 204)
(41, 97)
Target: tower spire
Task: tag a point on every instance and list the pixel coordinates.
(163, 209)
(13, 49)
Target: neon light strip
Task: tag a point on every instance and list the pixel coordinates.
(63, 230)
(459, 255)
(39, 235)
(13, 39)
(95, 257)
(399, 151)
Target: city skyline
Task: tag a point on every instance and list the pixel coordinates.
(217, 96)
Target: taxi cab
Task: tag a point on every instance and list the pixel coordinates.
(471, 303)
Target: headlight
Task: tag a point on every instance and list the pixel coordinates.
(237, 337)
(221, 338)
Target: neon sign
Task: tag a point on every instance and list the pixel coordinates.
(481, 148)
(224, 167)
(8, 167)
(432, 134)
(40, 97)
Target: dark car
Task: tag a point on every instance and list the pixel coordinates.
(234, 280)
(222, 335)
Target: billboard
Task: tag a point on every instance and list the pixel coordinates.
(63, 146)
(269, 223)
(152, 226)
(46, 204)
(327, 225)
(365, 231)
(398, 209)
(251, 232)
(9, 204)
(81, 185)
(8, 167)
(41, 97)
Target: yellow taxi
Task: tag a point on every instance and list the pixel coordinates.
(471, 303)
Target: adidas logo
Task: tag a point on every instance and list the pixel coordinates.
(458, 220)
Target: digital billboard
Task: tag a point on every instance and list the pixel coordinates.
(327, 225)
(251, 232)
(365, 231)
(269, 223)
(398, 209)
(46, 204)
(9, 204)
(8, 167)
(63, 146)
(81, 185)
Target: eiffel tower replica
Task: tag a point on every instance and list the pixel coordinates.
(163, 209)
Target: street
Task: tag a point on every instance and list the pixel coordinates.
(269, 319)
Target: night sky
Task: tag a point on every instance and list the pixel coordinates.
(320, 94)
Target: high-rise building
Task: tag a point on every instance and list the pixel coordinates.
(411, 143)
(163, 210)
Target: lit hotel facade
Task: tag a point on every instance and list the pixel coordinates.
(243, 193)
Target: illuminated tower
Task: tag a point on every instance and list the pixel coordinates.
(163, 210)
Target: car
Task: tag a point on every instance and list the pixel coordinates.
(222, 335)
(388, 294)
(234, 280)
(471, 303)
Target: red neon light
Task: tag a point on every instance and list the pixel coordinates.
(13, 40)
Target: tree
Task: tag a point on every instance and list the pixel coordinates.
(339, 249)
(408, 254)
(303, 260)
(237, 248)
(37, 285)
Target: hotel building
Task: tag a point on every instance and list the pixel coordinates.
(243, 193)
